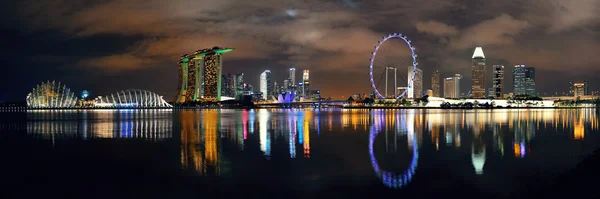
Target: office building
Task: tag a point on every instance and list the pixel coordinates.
(571, 88)
(498, 81)
(524, 81)
(415, 90)
(287, 85)
(580, 89)
(239, 85)
(265, 84)
(478, 71)
(435, 84)
(452, 87)
(228, 85)
(305, 84)
(292, 77)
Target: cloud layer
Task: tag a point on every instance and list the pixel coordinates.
(328, 36)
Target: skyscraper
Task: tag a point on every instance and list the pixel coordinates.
(478, 71)
(265, 84)
(293, 77)
(452, 86)
(435, 84)
(571, 88)
(524, 80)
(306, 84)
(239, 85)
(498, 80)
(275, 89)
(200, 75)
(228, 85)
(416, 89)
(287, 85)
(580, 89)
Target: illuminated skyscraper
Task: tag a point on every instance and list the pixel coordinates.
(571, 88)
(228, 85)
(200, 75)
(239, 85)
(478, 71)
(292, 77)
(498, 80)
(435, 84)
(524, 80)
(452, 86)
(287, 85)
(580, 89)
(416, 89)
(306, 84)
(265, 84)
(305, 74)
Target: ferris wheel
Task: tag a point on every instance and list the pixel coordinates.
(378, 63)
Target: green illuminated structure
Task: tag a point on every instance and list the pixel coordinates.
(200, 75)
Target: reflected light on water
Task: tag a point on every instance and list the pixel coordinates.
(392, 179)
(150, 125)
(205, 134)
(263, 119)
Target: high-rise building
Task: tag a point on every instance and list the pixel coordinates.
(452, 86)
(265, 84)
(275, 89)
(524, 80)
(228, 85)
(305, 74)
(293, 77)
(498, 81)
(571, 88)
(435, 84)
(491, 92)
(478, 71)
(305, 84)
(287, 85)
(200, 75)
(239, 85)
(415, 90)
(580, 89)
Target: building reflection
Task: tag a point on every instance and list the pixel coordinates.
(150, 125)
(478, 151)
(200, 146)
(265, 136)
(509, 129)
(384, 121)
(207, 136)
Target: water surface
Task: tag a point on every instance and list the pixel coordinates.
(290, 152)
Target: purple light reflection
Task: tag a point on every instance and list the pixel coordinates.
(391, 179)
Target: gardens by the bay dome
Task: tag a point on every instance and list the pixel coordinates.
(132, 98)
(51, 95)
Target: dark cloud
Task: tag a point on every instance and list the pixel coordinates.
(137, 41)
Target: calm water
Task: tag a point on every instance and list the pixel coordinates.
(303, 153)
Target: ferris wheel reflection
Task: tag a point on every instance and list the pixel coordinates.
(393, 179)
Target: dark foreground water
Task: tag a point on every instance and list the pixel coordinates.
(274, 153)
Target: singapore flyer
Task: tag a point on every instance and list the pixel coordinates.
(392, 179)
(394, 61)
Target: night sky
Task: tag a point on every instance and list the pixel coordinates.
(107, 46)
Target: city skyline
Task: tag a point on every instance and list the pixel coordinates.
(80, 45)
